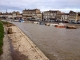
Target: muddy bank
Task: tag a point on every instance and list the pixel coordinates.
(23, 48)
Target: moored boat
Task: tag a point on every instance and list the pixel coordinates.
(71, 27)
(53, 24)
(36, 22)
(61, 25)
(47, 24)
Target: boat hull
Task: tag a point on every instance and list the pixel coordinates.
(71, 27)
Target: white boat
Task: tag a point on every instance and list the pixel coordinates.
(53, 24)
(36, 22)
(47, 24)
(61, 25)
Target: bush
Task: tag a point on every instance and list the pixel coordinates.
(1, 37)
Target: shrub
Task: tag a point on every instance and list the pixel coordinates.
(1, 37)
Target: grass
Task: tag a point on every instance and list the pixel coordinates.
(5, 23)
(1, 37)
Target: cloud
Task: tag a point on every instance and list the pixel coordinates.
(63, 5)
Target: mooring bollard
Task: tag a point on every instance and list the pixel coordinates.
(9, 31)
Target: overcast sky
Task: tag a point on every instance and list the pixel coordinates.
(43, 5)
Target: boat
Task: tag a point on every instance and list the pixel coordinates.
(21, 21)
(36, 22)
(41, 23)
(47, 24)
(71, 27)
(50, 24)
(53, 24)
(60, 25)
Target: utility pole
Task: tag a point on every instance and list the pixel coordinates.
(76, 17)
(6, 15)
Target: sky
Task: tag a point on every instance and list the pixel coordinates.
(43, 5)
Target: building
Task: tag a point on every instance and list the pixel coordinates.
(16, 15)
(78, 18)
(32, 13)
(0, 12)
(1, 15)
(50, 15)
(58, 17)
(64, 16)
(12, 15)
(6, 15)
(73, 16)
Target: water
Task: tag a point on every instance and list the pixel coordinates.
(55, 43)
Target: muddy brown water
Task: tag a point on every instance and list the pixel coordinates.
(55, 43)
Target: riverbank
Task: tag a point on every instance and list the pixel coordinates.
(23, 48)
(4, 41)
(6, 47)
